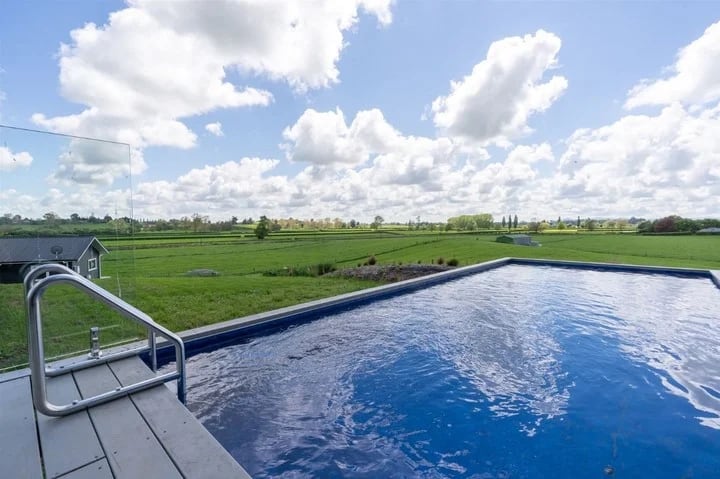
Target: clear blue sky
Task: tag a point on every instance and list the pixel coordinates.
(559, 108)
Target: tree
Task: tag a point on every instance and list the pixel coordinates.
(503, 222)
(645, 227)
(666, 225)
(484, 220)
(377, 222)
(578, 222)
(687, 225)
(353, 223)
(262, 229)
(471, 222)
(515, 222)
(197, 222)
(590, 224)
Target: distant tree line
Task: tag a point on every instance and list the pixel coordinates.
(52, 223)
(676, 224)
(471, 222)
(53, 218)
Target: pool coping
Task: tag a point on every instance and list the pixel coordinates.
(201, 338)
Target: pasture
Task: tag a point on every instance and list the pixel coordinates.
(151, 273)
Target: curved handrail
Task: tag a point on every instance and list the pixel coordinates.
(36, 287)
(39, 270)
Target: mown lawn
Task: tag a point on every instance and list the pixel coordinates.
(152, 276)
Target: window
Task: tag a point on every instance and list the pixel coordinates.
(92, 264)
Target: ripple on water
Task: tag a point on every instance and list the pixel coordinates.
(516, 372)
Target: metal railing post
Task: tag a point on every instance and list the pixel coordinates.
(152, 345)
(35, 288)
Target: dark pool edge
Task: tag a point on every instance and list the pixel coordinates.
(202, 338)
(630, 268)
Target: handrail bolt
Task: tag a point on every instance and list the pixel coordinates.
(95, 352)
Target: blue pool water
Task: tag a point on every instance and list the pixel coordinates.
(519, 372)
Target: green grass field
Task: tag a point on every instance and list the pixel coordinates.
(150, 273)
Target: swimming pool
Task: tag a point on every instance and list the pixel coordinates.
(521, 371)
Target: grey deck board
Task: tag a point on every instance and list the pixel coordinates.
(147, 434)
(99, 469)
(20, 457)
(195, 451)
(132, 449)
(67, 442)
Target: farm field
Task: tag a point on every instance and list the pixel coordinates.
(151, 273)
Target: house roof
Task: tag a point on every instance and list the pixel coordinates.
(515, 236)
(46, 248)
(710, 230)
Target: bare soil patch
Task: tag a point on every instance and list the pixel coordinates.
(389, 273)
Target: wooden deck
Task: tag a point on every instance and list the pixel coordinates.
(147, 434)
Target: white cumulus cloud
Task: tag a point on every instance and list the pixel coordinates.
(155, 63)
(495, 101)
(324, 138)
(10, 160)
(694, 79)
(293, 40)
(215, 128)
(645, 164)
(218, 190)
(327, 142)
(100, 163)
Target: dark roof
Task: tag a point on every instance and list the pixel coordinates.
(46, 248)
(514, 236)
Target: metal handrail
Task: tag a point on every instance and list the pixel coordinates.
(35, 288)
(32, 276)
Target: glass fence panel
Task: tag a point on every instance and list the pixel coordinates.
(66, 200)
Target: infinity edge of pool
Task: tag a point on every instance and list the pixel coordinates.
(216, 335)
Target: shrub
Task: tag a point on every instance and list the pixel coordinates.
(323, 268)
(441, 260)
(371, 260)
(453, 262)
(314, 270)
